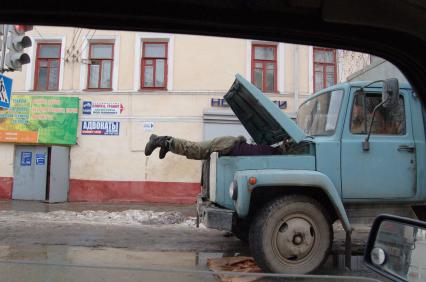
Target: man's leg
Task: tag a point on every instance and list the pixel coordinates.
(202, 150)
(190, 149)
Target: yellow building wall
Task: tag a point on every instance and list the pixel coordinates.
(203, 68)
(7, 152)
(122, 157)
(207, 63)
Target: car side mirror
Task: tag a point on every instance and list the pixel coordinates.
(390, 93)
(396, 248)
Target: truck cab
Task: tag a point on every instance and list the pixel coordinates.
(356, 149)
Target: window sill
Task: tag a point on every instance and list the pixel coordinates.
(44, 90)
(98, 90)
(152, 89)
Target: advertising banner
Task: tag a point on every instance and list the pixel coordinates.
(94, 127)
(102, 108)
(40, 120)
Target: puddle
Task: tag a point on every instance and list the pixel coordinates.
(65, 263)
(108, 257)
(335, 265)
(62, 263)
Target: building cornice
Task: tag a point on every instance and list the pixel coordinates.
(147, 93)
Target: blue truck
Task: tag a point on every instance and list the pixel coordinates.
(355, 148)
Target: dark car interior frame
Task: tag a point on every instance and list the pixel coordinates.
(392, 29)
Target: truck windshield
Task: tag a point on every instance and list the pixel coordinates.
(318, 116)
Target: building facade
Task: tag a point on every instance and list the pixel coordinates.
(378, 69)
(131, 85)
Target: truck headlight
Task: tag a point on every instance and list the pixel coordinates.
(233, 190)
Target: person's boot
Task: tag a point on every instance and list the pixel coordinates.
(155, 142)
(165, 147)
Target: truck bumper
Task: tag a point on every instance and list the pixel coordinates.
(213, 216)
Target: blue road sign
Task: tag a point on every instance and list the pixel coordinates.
(5, 91)
(26, 158)
(87, 107)
(40, 159)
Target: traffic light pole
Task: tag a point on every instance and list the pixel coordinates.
(3, 49)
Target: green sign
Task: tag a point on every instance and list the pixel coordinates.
(40, 120)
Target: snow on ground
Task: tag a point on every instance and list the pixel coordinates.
(128, 217)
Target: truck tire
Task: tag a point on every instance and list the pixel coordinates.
(292, 234)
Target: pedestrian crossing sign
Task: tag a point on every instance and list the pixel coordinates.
(5, 91)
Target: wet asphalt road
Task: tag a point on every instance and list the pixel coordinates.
(67, 263)
(142, 238)
(124, 253)
(42, 250)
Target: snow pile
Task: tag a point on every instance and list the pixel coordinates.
(127, 217)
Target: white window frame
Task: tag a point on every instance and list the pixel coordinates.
(339, 68)
(339, 63)
(32, 52)
(311, 69)
(85, 56)
(152, 37)
(280, 61)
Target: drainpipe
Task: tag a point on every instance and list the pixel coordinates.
(296, 75)
(3, 48)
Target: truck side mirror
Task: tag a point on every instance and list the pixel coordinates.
(390, 93)
(390, 99)
(396, 248)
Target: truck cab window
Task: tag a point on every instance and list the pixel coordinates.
(386, 122)
(319, 115)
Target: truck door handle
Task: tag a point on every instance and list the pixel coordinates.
(407, 148)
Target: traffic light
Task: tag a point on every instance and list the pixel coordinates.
(17, 41)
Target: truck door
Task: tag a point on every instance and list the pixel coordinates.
(388, 169)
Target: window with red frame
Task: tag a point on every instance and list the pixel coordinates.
(264, 67)
(324, 68)
(154, 65)
(48, 59)
(101, 58)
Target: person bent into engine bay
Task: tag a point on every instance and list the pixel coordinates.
(224, 145)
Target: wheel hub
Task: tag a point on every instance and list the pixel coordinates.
(295, 239)
(298, 239)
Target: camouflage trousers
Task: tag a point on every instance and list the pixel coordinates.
(202, 150)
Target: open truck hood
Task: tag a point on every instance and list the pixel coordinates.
(263, 119)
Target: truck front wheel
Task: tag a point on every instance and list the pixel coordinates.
(292, 234)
